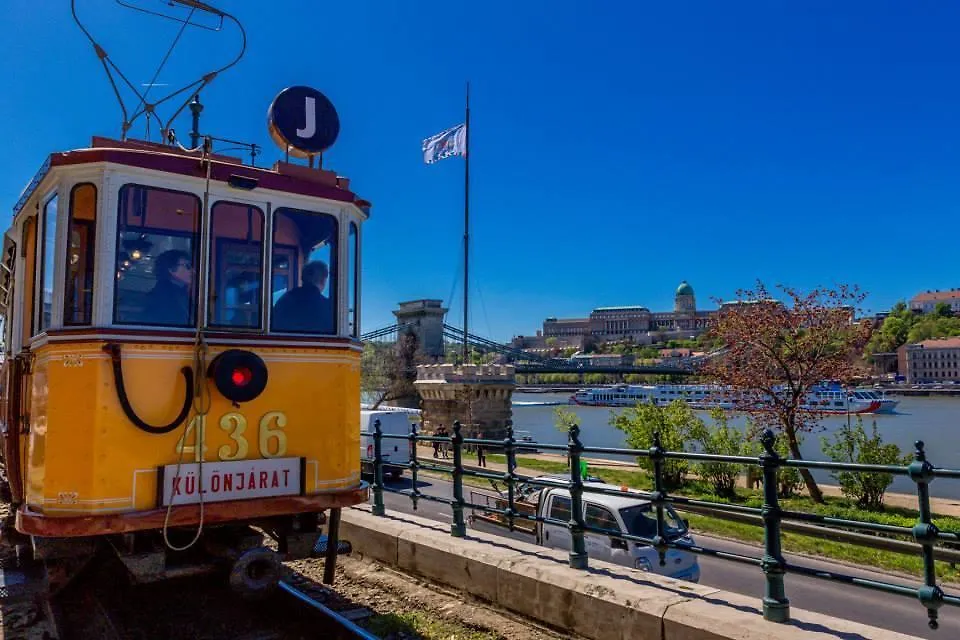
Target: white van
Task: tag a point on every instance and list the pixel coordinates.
(627, 514)
(395, 453)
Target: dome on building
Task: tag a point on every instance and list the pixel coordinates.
(684, 289)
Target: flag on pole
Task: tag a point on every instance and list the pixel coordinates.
(452, 142)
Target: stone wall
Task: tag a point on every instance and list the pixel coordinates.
(607, 602)
(479, 396)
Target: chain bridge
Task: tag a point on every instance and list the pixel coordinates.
(524, 361)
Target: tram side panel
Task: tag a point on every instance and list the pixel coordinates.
(85, 457)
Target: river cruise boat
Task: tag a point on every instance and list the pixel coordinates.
(825, 398)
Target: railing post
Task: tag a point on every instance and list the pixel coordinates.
(414, 465)
(378, 509)
(925, 533)
(659, 493)
(578, 551)
(776, 606)
(508, 445)
(458, 528)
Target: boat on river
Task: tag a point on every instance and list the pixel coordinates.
(827, 397)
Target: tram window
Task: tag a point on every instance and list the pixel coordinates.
(352, 301)
(236, 249)
(304, 274)
(28, 248)
(81, 230)
(156, 253)
(47, 260)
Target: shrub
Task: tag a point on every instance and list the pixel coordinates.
(674, 422)
(789, 480)
(719, 439)
(851, 444)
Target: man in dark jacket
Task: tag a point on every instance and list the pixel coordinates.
(168, 303)
(305, 308)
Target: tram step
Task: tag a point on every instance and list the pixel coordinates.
(343, 547)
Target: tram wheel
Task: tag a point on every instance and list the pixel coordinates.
(255, 574)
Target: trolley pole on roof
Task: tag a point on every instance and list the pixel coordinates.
(195, 109)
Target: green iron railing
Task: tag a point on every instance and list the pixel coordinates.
(776, 606)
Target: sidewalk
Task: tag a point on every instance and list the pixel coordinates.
(939, 506)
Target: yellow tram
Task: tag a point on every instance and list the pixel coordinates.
(181, 356)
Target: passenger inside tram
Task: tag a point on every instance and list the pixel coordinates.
(304, 272)
(305, 308)
(169, 300)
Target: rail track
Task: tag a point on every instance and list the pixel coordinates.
(344, 627)
(205, 609)
(102, 604)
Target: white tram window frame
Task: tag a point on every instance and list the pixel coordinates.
(353, 278)
(196, 239)
(91, 271)
(25, 317)
(43, 244)
(335, 282)
(263, 208)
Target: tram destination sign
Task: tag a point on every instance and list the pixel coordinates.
(234, 480)
(303, 121)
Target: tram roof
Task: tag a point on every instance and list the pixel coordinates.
(283, 177)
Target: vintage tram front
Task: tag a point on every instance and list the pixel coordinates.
(182, 354)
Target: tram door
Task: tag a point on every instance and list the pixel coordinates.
(11, 378)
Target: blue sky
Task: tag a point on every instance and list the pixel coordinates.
(617, 148)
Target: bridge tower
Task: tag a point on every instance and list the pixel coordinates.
(479, 396)
(426, 318)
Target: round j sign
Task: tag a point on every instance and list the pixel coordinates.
(304, 120)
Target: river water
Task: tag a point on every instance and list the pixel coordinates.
(934, 420)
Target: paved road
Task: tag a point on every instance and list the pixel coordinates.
(898, 613)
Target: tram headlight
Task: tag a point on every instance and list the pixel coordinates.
(239, 375)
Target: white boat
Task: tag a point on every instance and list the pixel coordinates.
(828, 398)
(628, 395)
(833, 398)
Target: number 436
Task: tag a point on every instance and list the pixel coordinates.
(272, 439)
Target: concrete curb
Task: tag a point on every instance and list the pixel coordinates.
(607, 602)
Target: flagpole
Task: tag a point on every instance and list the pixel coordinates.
(466, 226)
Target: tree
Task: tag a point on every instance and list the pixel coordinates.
(674, 423)
(388, 371)
(934, 326)
(776, 354)
(851, 444)
(894, 332)
(943, 310)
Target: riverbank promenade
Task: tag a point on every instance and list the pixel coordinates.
(939, 506)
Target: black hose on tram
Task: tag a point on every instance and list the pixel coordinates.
(114, 351)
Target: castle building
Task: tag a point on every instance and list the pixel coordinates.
(639, 324)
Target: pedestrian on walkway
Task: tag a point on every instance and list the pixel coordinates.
(437, 433)
(481, 459)
(444, 446)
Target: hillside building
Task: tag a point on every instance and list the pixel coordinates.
(935, 360)
(926, 302)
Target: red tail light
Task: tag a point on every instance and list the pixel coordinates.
(241, 376)
(369, 450)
